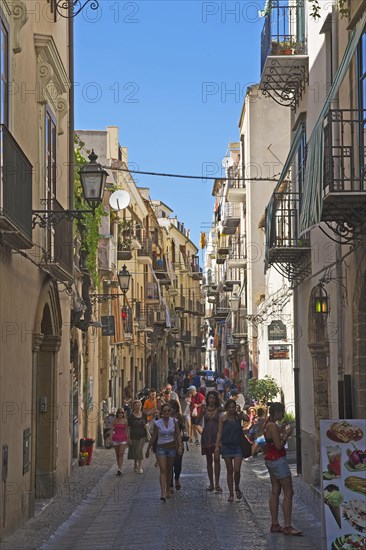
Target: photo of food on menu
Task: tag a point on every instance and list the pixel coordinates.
(343, 463)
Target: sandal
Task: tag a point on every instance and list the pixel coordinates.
(275, 528)
(291, 531)
(218, 489)
(231, 498)
(210, 488)
(239, 494)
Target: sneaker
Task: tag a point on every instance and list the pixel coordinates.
(140, 471)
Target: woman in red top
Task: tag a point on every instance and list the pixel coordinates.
(119, 437)
(275, 460)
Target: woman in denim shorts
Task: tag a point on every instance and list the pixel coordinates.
(279, 471)
(169, 442)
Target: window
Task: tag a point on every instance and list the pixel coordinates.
(301, 161)
(50, 150)
(4, 74)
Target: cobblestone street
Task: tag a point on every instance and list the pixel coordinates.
(98, 511)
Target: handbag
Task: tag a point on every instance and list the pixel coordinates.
(246, 447)
(194, 412)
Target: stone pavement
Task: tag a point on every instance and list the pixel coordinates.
(96, 510)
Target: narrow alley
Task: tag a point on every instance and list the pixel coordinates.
(106, 512)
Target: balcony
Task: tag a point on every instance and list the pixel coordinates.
(344, 187)
(231, 217)
(221, 309)
(144, 254)
(59, 257)
(237, 255)
(199, 309)
(180, 303)
(152, 293)
(186, 336)
(229, 281)
(222, 247)
(284, 60)
(284, 244)
(195, 270)
(161, 271)
(196, 343)
(240, 324)
(232, 342)
(15, 193)
(160, 316)
(236, 191)
(188, 306)
(220, 259)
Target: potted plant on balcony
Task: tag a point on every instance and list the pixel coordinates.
(285, 47)
(124, 246)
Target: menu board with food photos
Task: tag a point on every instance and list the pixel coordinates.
(343, 464)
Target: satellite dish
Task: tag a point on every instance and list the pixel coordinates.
(227, 162)
(119, 200)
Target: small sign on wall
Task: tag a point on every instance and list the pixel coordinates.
(277, 331)
(279, 351)
(108, 328)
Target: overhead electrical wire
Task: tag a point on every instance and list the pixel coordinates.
(185, 176)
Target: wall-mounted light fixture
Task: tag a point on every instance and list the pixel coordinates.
(93, 178)
(235, 303)
(321, 302)
(71, 8)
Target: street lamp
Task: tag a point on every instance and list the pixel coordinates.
(93, 178)
(124, 277)
(235, 303)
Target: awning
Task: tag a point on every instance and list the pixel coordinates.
(312, 198)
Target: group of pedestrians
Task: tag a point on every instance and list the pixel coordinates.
(218, 430)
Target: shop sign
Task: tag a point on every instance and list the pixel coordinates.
(277, 331)
(279, 352)
(343, 473)
(108, 328)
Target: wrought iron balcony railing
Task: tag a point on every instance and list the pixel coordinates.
(285, 244)
(144, 254)
(237, 254)
(231, 217)
(15, 192)
(344, 185)
(152, 291)
(60, 247)
(161, 270)
(284, 61)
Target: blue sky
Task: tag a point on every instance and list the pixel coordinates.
(172, 75)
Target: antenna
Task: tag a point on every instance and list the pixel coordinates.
(119, 200)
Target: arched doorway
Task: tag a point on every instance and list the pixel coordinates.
(318, 344)
(47, 343)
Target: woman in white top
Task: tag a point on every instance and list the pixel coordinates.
(167, 435)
